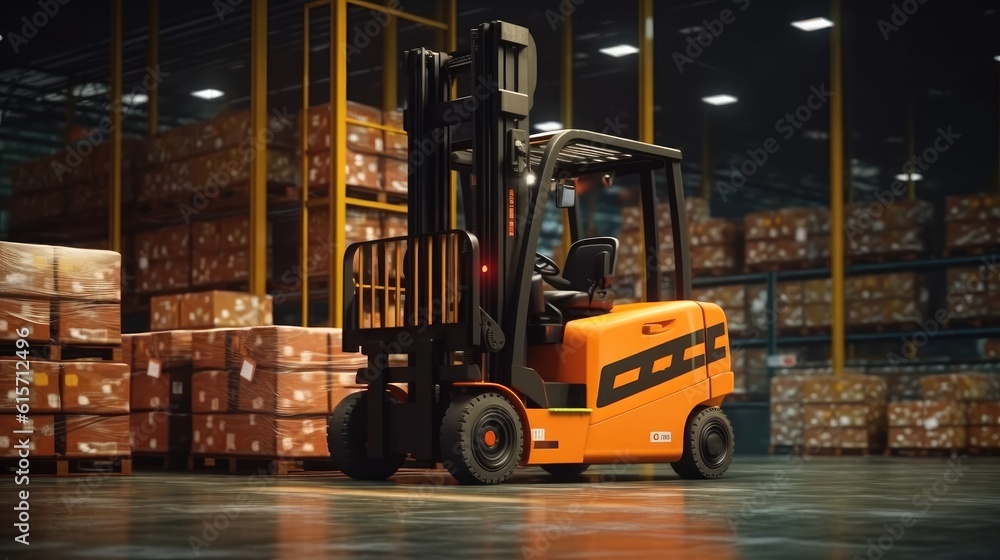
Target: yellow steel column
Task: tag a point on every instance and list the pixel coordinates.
(836, 190)
(304, 168)
(566, 104)
(338, 159)
(389, 64)
(258, 126)
(115, 200)
(646, 77)
(153, 60)
(451, 18)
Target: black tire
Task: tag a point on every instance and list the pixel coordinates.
(346, 435)
(481, 438)
(566, 470)
(708, 445)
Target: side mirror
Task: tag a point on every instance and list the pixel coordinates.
(565, 195)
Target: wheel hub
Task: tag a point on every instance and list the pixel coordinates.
(714, 444)
(494, 431)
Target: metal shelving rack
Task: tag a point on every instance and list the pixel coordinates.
(339, 199)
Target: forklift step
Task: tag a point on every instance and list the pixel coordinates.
(571, 410)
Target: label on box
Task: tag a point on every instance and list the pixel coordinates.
(178, 388)
(931, 423)
(154, 368)
(246, 372)
(800, 234)
(41, 379)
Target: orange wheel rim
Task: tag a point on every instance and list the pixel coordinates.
(490, 438)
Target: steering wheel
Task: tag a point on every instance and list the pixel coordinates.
(545, 266)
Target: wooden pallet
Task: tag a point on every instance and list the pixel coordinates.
(248, 465)
(160, 461)
(48, 466)
(59, 353)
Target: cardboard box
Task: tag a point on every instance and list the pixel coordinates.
(285, 348)
(95, 387)
(213, 309)
(171, 349)
(165, 312)
(41, 382)
(88, 274)
(161, 389)
(926, 414)
(984, 437)
(945, 437)
(985, 413)
(141, 351)
(967, 386)
(88, 323)
(264, 390)
(786, 423)
(26, 270)
(43, 440)
(163, 275)
(160, 432)
(848, 388)
(97, 436)
(16, 314)
(258, 435)
(210, 349)
(908, 437)
(210, 392)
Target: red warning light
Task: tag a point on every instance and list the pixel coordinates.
(485, 268)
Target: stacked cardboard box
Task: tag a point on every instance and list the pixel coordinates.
(819, 410)
(714, 243)
(211, 159)
(941, 419)
(879, 230)
(972, 293)
(72, 181)
(267, 391)
(163, 259)
(845, 412)
(208, 310)
(361, 225)
(394, 165)
(70, 297)
(161, 393)
(365, 147)
(799, 236)
(972, 222)
(984, 425)
(219, 252)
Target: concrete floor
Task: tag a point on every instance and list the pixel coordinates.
(765, 507)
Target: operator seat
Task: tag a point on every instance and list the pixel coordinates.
(583, 287)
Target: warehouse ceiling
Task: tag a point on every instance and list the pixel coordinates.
(939, 61)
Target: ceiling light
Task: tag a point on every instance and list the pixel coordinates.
(548, 126)
(135, 98)
(207, 93)
(722, 99)
(812, 24)
(619, 51)
(905, 177)
(997, 58)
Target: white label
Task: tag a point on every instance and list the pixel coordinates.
(287, 444)
(53, 400)
(255, 446)
(154, 368)
(659, 437)
(538, 434)
(230, 442)
(800, 234)
(143, 263)
(178, 388)
(246, 372)
(781, 360)
(931, 423)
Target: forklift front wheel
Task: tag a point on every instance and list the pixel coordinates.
(347, 434)
(481, 438)
(708, 445)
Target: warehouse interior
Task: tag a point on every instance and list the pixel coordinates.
(191, 191)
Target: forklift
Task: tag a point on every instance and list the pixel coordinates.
(485, 355)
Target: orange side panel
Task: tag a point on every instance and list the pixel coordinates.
(714, 316)
(650, 433)
(722, 384)
(556, 437)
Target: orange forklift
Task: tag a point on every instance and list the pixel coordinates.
(506, 358)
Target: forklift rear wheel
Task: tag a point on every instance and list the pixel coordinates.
(708, 445)
(347, 434)
(565, 470)
(481, 438)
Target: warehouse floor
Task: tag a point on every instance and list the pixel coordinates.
(765, 507)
